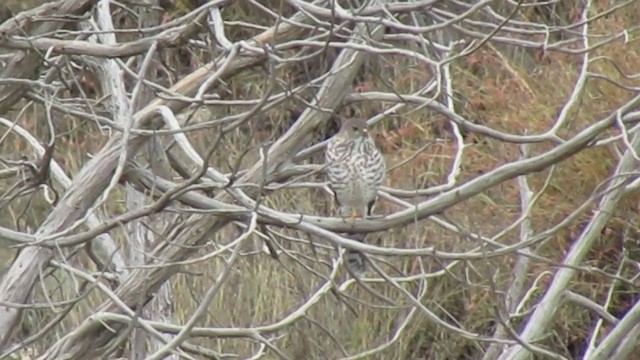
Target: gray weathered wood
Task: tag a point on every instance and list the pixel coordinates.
(25, 64)
(144, 282)
(94, 177)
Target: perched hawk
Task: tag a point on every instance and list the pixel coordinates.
(355, 168)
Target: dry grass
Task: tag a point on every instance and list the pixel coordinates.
(493, 89)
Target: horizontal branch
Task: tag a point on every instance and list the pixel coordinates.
(94, 177)
(172, 37)
(25, 64)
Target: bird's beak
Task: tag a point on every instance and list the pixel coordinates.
(365, 130)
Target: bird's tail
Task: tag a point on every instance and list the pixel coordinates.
(355, 260)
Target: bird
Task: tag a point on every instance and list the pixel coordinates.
(355, 168)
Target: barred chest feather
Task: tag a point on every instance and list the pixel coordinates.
(355, 168)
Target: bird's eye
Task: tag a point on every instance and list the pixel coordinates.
(355, 128)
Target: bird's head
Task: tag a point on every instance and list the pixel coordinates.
(354, 128)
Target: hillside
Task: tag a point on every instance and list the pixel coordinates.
(505, 227)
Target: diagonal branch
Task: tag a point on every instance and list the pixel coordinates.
(94, 177)
(144, 282)
(25, 64)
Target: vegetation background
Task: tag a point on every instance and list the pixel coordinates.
(508, 88)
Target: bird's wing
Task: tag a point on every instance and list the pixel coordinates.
(376, 161)
(338, 177)
(336, 169)
(377, 172)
